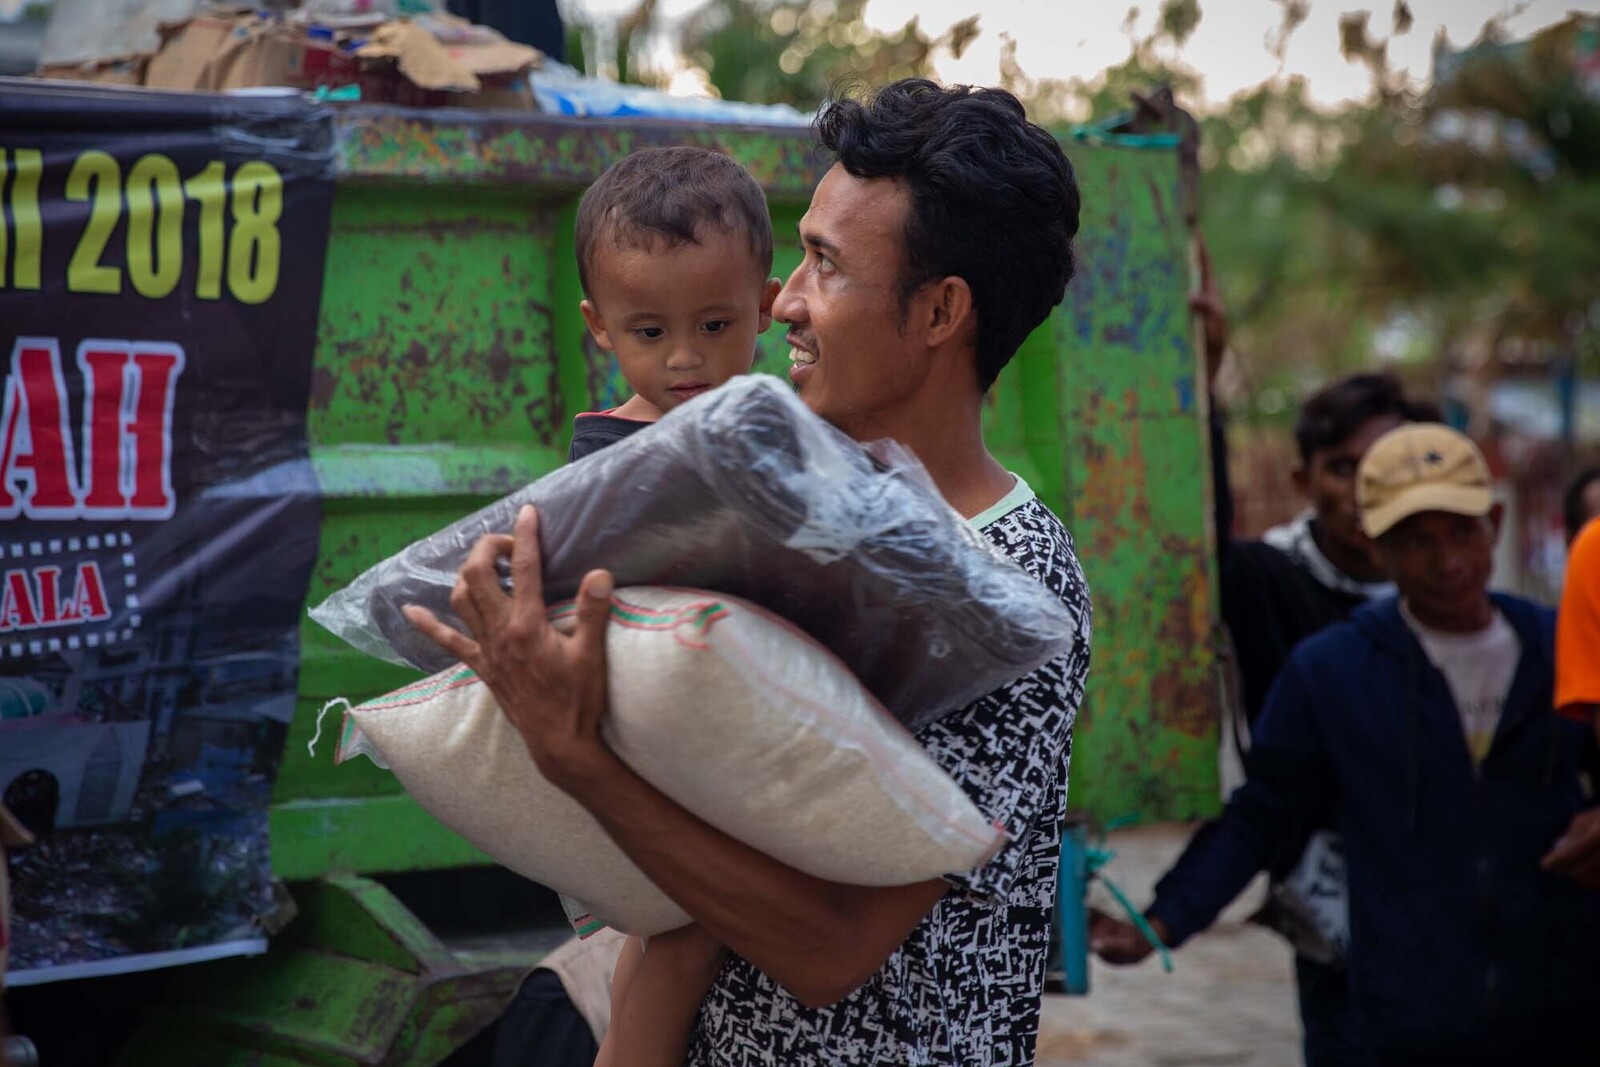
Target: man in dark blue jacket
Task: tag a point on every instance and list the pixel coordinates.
(1422, 731)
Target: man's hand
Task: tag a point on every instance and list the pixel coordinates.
(1118, 941)
(1577, 853)
(1206, 305)
(550, 685)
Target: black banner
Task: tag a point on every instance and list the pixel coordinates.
(161, 262)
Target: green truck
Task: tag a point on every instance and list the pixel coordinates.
(450, 359)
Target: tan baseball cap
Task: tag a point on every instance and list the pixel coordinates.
(1421, 466)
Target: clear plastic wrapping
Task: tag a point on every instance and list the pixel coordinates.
(746, 492)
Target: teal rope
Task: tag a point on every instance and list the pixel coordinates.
(1096, 857)
(1140, 922)
(344, 94)
(1100, 133)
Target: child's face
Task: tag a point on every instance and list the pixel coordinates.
(681, 320)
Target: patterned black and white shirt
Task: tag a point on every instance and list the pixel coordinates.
(964, 989)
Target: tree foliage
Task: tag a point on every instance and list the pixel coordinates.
(795, 52)
(783, 51)
(1465, 214)
(1435, 225)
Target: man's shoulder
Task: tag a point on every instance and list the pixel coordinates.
(1257, 564)
(1345, 640)
(1038, 542)
(1527, 617)
(1523, 605)
(1258, 552)
(1029, 522)
(1260, 583)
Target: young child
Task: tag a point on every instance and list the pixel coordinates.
(674, 255)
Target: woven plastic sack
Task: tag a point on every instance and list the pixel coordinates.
(746, 492)
(731, 712)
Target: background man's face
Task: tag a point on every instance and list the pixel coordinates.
(1441, 563)
(1329, 483)
(851, 362)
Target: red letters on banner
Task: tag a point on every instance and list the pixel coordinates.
(35, 599)
(126, 436)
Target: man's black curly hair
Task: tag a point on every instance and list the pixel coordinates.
(1574, 510)
(1332, 415)
(993, 199)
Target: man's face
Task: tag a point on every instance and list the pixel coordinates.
(1329, 483)
(852, 360)
(1441, 564)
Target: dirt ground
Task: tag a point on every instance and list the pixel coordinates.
(1229, 1002)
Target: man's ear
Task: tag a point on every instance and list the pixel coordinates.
(949, 310)
(597, 325)
(1302, 481)
(1497, 518)
(769, 296)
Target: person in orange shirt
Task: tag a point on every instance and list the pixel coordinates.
(1577, 690)
(1578, 625)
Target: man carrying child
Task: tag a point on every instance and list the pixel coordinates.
(938, 241)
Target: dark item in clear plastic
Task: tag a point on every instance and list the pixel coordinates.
(746, 492)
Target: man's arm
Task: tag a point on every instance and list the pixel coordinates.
(820, 940)
(1207, 307)
(1251, 579)
(1289, 784)
(1576, 854)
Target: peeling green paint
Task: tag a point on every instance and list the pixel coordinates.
(1137, 499)
(550, 152)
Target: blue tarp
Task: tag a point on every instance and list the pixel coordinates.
(562, 90)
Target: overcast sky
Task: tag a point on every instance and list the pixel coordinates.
(1072, 38)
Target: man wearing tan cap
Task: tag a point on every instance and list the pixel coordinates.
(1419, 492)
(1297, 580)
(1422, 729)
